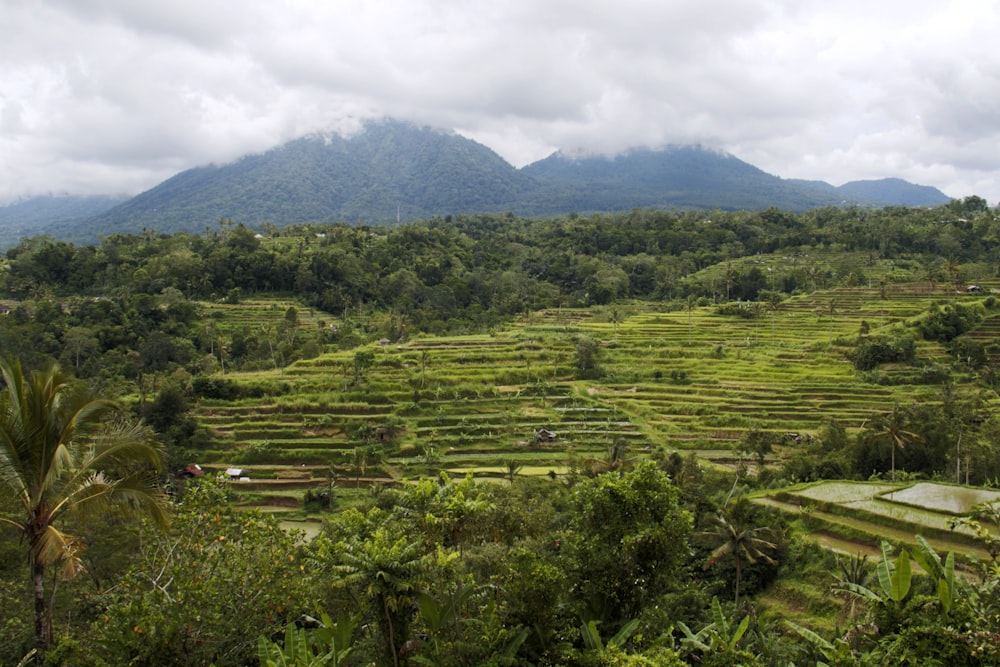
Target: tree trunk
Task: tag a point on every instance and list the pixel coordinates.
(43, 622)
(892, 445)
(390, 639)
(739, 572)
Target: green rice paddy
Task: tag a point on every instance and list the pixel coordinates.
(688, 380)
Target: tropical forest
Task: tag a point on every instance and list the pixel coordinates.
(647, 438)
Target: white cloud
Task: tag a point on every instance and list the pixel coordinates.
(117, 95)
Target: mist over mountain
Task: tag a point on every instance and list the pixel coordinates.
(398, 171)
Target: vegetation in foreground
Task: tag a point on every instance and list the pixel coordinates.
(628, 549)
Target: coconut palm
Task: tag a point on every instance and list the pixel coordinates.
(890, 428)
(66, 457)
(744, 543)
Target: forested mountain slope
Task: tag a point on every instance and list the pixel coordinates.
(394, 171)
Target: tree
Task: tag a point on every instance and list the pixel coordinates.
(513, 467)
(628, 536)
(890, 428)
(201, 592)
(744, 543)
(757, 442)
(773, 299)
(79, 342)
(65, 455)
(587, 355)
(362, 361)
(383, 570)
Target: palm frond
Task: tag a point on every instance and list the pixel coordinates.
(52, 546)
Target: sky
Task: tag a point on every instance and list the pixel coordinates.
(115, 96)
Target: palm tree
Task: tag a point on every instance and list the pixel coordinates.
(954, 272)
(384, 570)
(64, 455)
(513, 467)
(743, 543)
(890, 428)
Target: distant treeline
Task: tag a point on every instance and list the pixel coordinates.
(454, 274)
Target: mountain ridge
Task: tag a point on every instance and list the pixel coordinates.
(393, 170)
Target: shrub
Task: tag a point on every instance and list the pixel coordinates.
(875, 350)
(969, 351)
(744, 309)
(944, 324)
(227, 390)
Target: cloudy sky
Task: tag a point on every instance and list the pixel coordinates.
(113, 96)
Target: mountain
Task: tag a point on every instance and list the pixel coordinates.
(672, 177)
(884, 192)
(894, 192)
(390, 170)
(399, 171)
(50, 214)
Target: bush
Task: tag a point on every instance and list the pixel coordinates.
(227, 390)
(876, 350)
(944, 324)
(744, 309)
(968, 351)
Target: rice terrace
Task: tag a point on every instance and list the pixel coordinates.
(647, 438)
(688, 380)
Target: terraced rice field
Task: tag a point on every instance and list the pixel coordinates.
(856, 516)
(689, 380)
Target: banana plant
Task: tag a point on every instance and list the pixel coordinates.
(592, 636)
(327, 646)
(837, 652)
(894, 579)
(720, 636)
(942, 573)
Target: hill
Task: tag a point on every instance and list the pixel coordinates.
(390, 171)
(894, 192)
(395, 171)
(673, 177)
(50, 213)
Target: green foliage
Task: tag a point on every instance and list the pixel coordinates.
(948, 322)
(874, 350)
(206, 590)
(329, 645)
(836, 653)
(758, 443)
(230, 390)
(384, 571)
(744, 309)
(737, 538)
(592, 638)
(943, 574)
(503, 573)
(67, 455)
(719, 642)
(894, 578)
(588, 352)
(628, 538)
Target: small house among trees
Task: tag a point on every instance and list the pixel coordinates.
(190, 471)
(544, 435)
